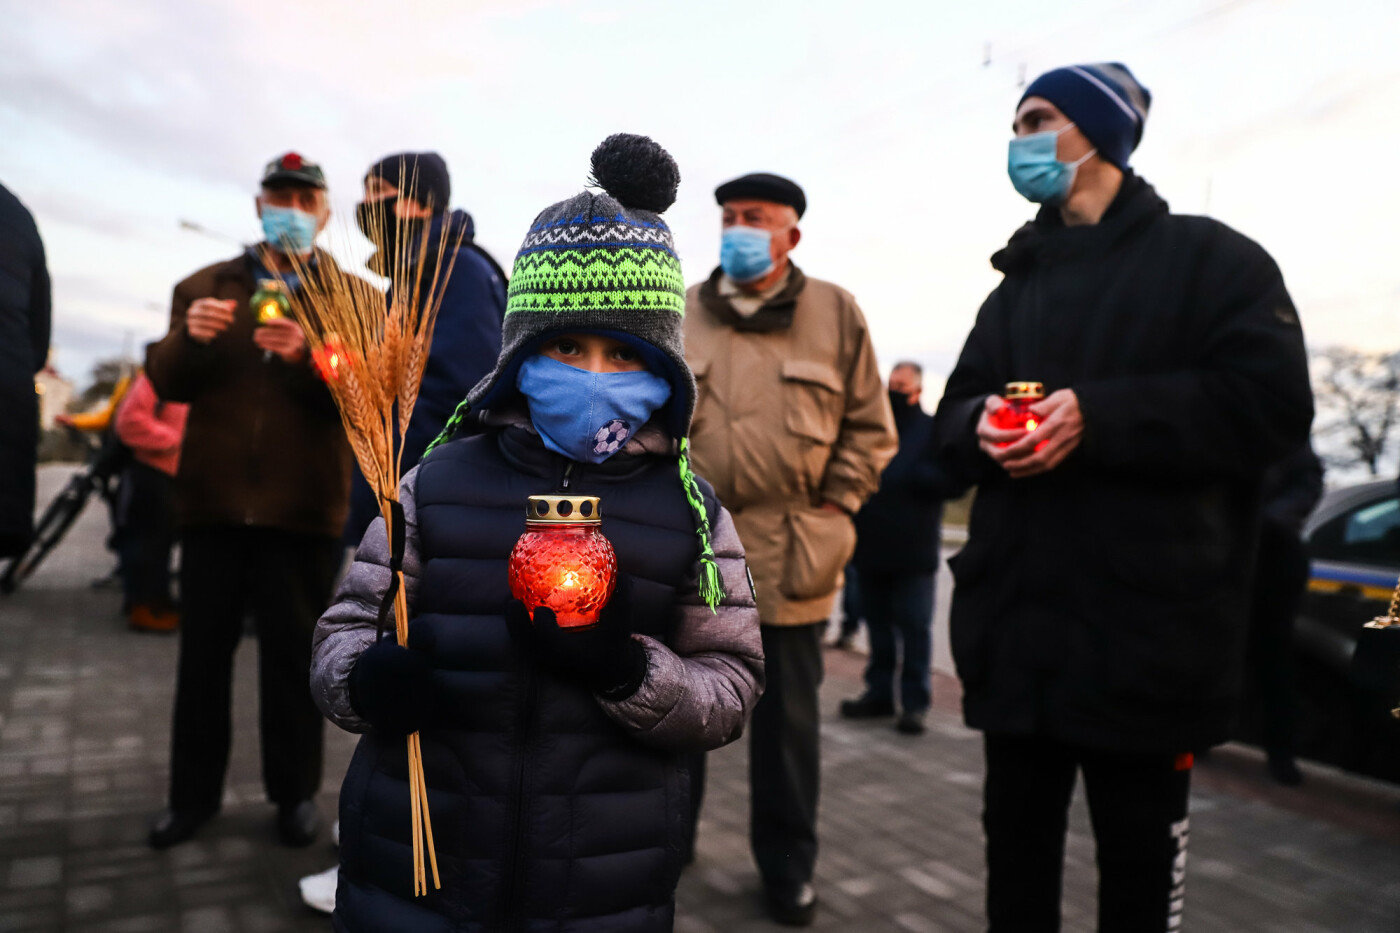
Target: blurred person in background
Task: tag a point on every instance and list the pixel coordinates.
(25, 322)
(152, 429)
(261, 496)
(897, 554)
(792, 427)
(1101, 602)
(467, 333)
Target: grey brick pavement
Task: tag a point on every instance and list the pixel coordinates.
(84, 722)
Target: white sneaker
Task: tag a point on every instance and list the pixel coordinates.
(318, 891)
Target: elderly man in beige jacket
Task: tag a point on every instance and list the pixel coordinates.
(792, 427)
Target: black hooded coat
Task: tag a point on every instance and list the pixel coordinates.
(24, 347)
(1104, 603)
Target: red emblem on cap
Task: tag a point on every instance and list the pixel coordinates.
(291, 161)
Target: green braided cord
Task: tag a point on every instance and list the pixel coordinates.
(458, 416)
(711, 587)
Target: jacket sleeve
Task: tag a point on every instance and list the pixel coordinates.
(698, 693)
(137, 424)
(1245, 402)
(348, 627)
(176, 363)
(40, 308)
(977, 375)
(867, 439)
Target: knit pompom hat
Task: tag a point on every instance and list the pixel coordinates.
(604, 262)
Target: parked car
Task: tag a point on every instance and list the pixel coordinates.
(1353, 542)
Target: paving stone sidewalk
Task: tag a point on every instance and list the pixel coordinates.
(84, 727)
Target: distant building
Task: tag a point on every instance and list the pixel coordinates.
(55, 392)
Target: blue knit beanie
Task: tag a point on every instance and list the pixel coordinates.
(1105, 101)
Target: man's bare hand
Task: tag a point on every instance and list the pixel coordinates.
(1030, 453)
(283, 337)
(207, 318)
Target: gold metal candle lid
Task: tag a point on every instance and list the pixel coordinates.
(1024, 390)
(564, 510)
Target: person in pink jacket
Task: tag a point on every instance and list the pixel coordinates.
(154, 430)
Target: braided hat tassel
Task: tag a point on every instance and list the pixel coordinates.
(711, 586)
(458, 416)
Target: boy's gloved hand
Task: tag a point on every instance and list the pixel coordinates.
(389, 685)
(605, 658)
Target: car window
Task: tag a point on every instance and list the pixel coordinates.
(1369, 533)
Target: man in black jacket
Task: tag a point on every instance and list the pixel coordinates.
(896, 559)
(1100, 608)
(24, 348)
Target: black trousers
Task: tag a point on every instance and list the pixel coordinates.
(146, 507)
(785, 756)
(1138, 808)
(1280, 577)
(284, 580)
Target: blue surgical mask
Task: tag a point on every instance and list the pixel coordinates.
(1035, 168)
(588, 416)
(288, 229)
(745, 254)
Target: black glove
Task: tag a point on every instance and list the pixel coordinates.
(389, 685)
(604, 658)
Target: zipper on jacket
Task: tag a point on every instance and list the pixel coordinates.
(513, 908)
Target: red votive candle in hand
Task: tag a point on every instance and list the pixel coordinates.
(1016, 413)
(563, 561)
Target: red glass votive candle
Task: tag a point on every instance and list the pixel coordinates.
(563, 561)
(329, 357)
(1016, 413)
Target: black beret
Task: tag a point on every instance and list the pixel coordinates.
(763, 186)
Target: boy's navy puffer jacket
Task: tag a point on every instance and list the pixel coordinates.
(553, 810)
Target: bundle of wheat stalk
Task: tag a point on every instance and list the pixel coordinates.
(371, 353)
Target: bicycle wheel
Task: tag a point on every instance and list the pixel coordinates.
(50, 529)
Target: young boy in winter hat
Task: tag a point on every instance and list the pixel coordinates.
(553, 757)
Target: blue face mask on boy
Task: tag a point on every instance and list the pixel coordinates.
(288, 229)
(744, 253)
(1035, 168)
(588, 416)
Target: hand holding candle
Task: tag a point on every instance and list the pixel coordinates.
(1024, 452)
(277, 334)
(602, 657)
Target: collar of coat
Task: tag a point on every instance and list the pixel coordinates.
(1047, 238)
(774, 314)
(242, 268)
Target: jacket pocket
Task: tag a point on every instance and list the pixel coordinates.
(820, 544)
(812, 393)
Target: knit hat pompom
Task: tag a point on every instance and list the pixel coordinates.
(636, 171)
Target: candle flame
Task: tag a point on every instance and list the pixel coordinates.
(1032, 424)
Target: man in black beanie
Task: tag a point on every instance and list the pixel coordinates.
(406, 197)
(1099, 615)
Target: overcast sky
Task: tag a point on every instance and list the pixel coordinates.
(119, 118)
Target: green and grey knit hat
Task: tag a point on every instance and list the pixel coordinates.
(604, 262)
